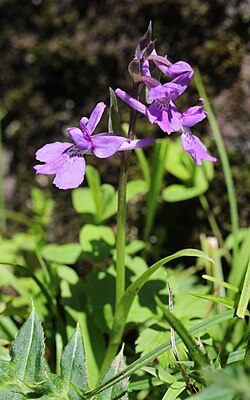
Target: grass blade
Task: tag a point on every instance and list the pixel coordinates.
(197, 356)
(152, 355)
(128, 297)
(245, 295)
(226, 170)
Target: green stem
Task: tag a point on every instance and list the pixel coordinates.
(121, 229)
(2, 202)
(121, 213)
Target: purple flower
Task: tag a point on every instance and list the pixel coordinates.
(191, 143)
(162, 111)
(66, 160)
(181, 72)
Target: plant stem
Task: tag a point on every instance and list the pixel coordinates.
(121, 213)
(2, 202)
(121, 229)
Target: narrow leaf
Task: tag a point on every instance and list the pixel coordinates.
(216, 299)
(118, 391)
(245, 295)
(221, 283)
(114, 124)
(152, 355)
(197, 356)
(127, 299)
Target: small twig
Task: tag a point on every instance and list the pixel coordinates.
(190, 385)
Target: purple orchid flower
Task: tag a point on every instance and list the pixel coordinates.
(162, 111)
(191, 143)
(66, 160)
(181, 72)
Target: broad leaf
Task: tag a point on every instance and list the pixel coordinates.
(73, 367)
(97, 241)
(27, 352)
(62, 254)
(174, 193)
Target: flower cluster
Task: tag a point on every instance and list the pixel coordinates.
(162, 110)
(66, 160)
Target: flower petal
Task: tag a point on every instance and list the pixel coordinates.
(81, 140)
(145, 68)
(95, 116)
(51, 151)
(192, 145)
(51, 167)
(136, 104)
(168, 119)
(136, 144)
(193, 115)
(71, 173)
(83, 125)
(180, 68)
(169, 90)
(105, 145)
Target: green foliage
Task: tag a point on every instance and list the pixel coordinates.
(24, 376)
(195, 180)
(98, 203)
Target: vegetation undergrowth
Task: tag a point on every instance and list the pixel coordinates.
(115, 324)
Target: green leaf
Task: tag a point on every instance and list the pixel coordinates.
(134, 246)
(196, 355)
(157, 172)
(118, 391)
(216, 299)
(178, 192)
(8, 251)
(97, 241)
(62, 254)
(245, 295)
(221, 283)
(73, 289)
(128, 297)
(83, 201)
(27, 351)
(174, 390)
(154, 336)
(177, 162)
(94, 182)
(13, 392)
(166, 346)
(114, 124)
(134, 188)
(73, 366)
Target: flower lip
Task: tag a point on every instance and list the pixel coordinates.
(193, 145)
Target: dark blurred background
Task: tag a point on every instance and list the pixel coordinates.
(58, 59)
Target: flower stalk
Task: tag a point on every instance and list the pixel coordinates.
(121, 212)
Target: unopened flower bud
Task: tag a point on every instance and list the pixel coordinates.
(134, 69)
(143, 42)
